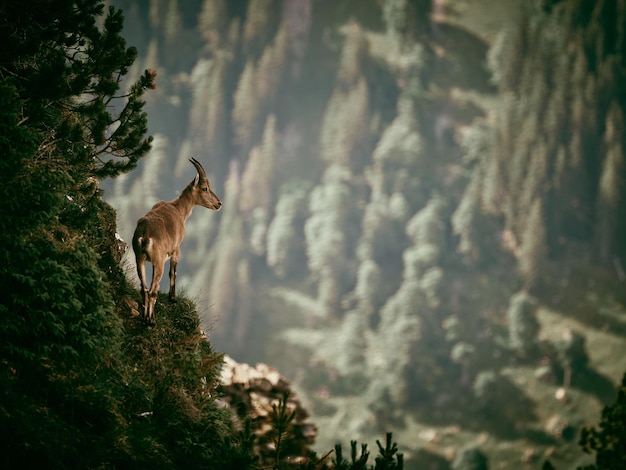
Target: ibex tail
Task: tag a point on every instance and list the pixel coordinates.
(144, 243)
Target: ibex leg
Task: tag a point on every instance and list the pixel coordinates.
(173, 264)
(157, 274)
(141, 274)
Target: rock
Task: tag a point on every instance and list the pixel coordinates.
(251, 392)
(119, 248)
(560, 428)
(561, 394)
(132, 306)
(544, 373)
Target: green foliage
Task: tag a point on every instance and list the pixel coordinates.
(401, 143)
(243, 456)
(522, 322)
(341, 349)
(224, 271)
(388, 457)
(485, 388)
(534, 246)
(427, 226)
(281, 417)
(611, 183)
(283, 237)
(571, 350)
(257, 30)
(344, 127)
(471, 221)
(173, 420)
(367, 291)
(326, 231)
(608, 441)
(355, 463)
(74, 74)
(382, 234)
(470, 458)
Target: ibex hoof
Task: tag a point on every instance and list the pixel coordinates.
(173, 298)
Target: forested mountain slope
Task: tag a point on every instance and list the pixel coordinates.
(423, 206)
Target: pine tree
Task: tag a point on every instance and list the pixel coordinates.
(466, 221)
(344, 128)
(246, 107)
(271, 66)
(75, 83)
(222, 275)
(611, 185)
(534, 247)
(207, 130)
(344, 124)
(284, 234)
(173, 23)
(211, 22)
(259, 174)
(522, 323)
(326, 232)
(258, 26)
(368, 288)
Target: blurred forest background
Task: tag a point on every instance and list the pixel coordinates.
(424, 215)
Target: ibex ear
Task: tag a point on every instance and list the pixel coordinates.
(196, 180)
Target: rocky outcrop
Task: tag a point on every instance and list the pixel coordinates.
(251, 392)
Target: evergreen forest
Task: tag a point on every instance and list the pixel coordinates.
(423, 229)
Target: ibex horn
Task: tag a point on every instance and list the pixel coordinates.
(198, 166)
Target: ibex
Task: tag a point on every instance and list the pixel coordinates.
(160, 232)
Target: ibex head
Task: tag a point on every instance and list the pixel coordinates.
(202, 193)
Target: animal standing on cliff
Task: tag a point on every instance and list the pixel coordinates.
(160, 232)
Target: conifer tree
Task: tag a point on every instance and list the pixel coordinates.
(258, 26)
(206, 132)
(464, 221)
(212, 21)
(522, 322)
(344, 124)
(261, 76)
(173, 23)
(284, 234)
(246, 107)
(326, 232)
(271, 66)
(611, 184)
(534, 247)
(222, 275)
(258, 176)
(368, 288)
